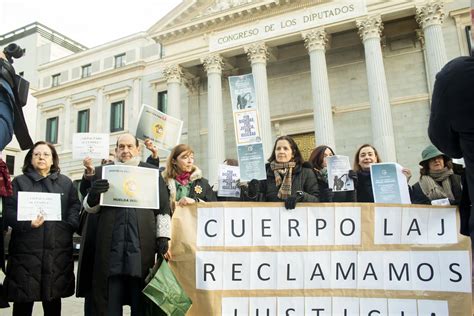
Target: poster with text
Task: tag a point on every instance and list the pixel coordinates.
(228, 181)
(251, 162)
(92, 145)
(32, 204)
(247, 129)
(133, 187)
(389, 184)
(163, 130)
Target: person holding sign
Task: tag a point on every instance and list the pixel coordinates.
(126, 240)
(40, 262)
(318, 160)
(438, 184)
(289, 178)
(365, 156)
(184, 179)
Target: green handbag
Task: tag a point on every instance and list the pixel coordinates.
(165, 292)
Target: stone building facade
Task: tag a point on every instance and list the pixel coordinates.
(341, 73)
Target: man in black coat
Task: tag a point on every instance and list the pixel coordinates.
(126, 240)
(451, 127)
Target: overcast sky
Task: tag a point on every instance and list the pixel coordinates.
(89, 22)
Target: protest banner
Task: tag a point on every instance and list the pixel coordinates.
(247, 128)
(389, 184)
(163, 130)
(228, 178)
(238, 258)
(92, 145)
(134, 187)
(338, 173)
(32, 204)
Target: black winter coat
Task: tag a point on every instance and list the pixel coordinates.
(303, 179)
(418, 197)
(97, 244)
(40, 263)
(363, 187)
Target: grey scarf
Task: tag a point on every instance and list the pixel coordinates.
(430, 187)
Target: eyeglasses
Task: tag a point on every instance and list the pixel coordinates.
(45, 155)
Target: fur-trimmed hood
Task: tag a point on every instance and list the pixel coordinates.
(196, 174)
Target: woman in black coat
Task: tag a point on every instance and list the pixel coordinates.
(437, 180)
(364, 157)
(289, 178)
(40, 263)
(319, 163)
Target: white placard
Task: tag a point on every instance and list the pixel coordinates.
(266, 226)
(264, 269)
(290, 270)
(348, 228)
(235, 306)
(290, 306)
(338, 173)
(344, 269)
(92, 145)
(373, 306)
(228, 178)
(345, 306)
(236, 271)
(320, 226)
(210, 227)
(318, 270)
(321, 305)
(293, 227)
(389, 184)
(402, 306)
(209, 272)
(388, 223)
(370, 270)
(238, 223)
(32, 204)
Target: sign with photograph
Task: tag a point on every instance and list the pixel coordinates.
(242, 92)
(133, 187)
(338, 173)
(32, 204)
(163, 130)
(92, 145)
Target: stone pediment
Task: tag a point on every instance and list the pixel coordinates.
(193, 15)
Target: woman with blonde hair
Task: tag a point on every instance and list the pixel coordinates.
(184, 179)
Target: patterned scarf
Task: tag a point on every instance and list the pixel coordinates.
(283, 175)
(183, 178)
(5, 183)
(430, 184)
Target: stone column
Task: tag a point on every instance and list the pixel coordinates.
(215, 117)
(430, 17)
(370, 30)
(99, 127)
(136, 106)
(257, 54)
(316, 41)
(173, 75)
(68, 131)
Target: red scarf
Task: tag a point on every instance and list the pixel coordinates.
(5, 182)
(183, 178)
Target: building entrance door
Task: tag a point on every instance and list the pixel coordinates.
(306, 143)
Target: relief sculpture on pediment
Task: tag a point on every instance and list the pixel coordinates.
(222, 5)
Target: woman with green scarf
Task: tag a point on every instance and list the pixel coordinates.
(438, 184)
(289, 178)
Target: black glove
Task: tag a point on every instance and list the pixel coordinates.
(98, 187)
(162, 245)
(290, 202)
(353, 175)
(326, 195)
(253, 188)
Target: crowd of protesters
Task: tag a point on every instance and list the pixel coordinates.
(119, 245)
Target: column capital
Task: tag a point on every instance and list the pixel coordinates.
(173, 73)
(370, 27)
(315, 39)
(193, 84)
(257, 53)
(213, 63)
(431, 13)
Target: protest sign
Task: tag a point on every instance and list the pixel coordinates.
(134, 187)
(228, 180)
(242, 92)
(32, 204)
(338, 173)
(92, 145)
(162, 129)
(251, 162)
(337, 259)
(389, 184)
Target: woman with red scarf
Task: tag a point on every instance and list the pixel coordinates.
(184, 179)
